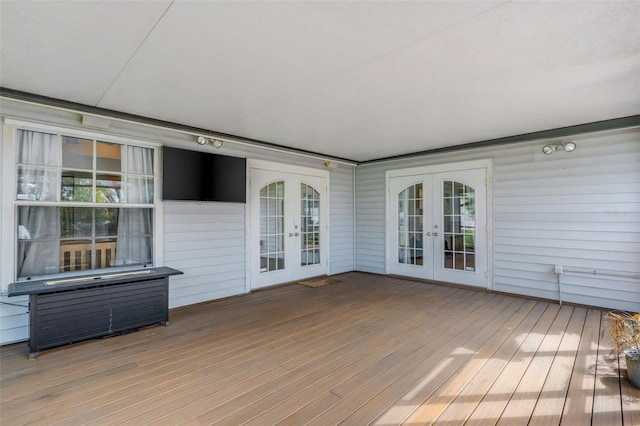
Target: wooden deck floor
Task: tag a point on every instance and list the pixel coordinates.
(367, 350)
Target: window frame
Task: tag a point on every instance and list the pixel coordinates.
(10, 202)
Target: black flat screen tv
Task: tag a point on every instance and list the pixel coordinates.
(201, 176)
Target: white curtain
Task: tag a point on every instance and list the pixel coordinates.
(135, 225)
(38, 226)
(38, 148)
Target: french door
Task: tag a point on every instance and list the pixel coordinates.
(437, 227)
(288, 222)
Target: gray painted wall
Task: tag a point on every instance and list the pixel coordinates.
(580, 210)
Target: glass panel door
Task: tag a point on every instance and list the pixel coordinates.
(410, 225)
(460, 206)
(437, 226)
(272, 256)
(459, 221)
(310, 228)
(288, 231)
(409, 249)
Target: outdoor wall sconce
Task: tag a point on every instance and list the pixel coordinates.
(201, 140)
(559, 146)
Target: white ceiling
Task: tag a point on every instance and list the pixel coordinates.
(356, 80)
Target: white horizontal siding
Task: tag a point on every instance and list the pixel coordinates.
(370, 219)
(611, 292)
(579, 209)
(341, 214)
(14, 321)
(206, 242)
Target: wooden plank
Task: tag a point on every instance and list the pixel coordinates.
(548, 409)
(578, 406)
(607, 403)
(164, 361)
(491, 407)
(316, 373)
(187, 383)
(248, 406)
(388, 352)
(455, 403)
(362, 388)
(309, 410)
(372, 349)
(85, 354)
(524, 399)
(430, 373)
(184, 394)
(190, 359)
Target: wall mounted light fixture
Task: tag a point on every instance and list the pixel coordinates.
(559, 146)
(201, 140)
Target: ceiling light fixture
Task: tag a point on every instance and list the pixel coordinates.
(201, 140)
(559, 146)
(217, 143)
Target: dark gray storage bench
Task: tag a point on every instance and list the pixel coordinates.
(63, 311)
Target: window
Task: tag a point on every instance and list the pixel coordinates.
(82, 204)
(310, 221)
(272, 227)
(410, 225)
(459, 219)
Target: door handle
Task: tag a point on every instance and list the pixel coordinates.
(428, 234)
(291, 234)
